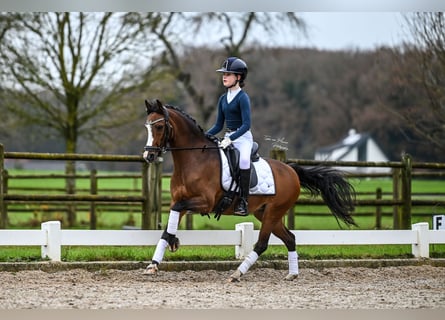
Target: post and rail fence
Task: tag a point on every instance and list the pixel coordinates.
(150, 200)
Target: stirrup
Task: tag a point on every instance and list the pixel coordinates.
(242, 208)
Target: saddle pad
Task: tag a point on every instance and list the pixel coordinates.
(265, 185)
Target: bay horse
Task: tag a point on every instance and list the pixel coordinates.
(196, 186)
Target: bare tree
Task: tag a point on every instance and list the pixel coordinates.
(235, 32)
(422, 69)
(73, 73)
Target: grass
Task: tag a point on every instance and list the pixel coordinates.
(212, 253)
(109, 219)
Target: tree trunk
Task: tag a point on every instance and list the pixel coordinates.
(70, 171)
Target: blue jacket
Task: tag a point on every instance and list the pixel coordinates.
(235, 114)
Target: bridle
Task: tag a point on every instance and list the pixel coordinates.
(167, 135)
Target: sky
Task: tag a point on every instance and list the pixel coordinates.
(346, 30)
(334, 31)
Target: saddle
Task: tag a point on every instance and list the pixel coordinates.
(232, 154)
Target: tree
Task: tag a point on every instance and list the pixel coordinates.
(73, 74)
(421, 78)
(234, 32)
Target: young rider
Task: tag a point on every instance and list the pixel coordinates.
(234, 111)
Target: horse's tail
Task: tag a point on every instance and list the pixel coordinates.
(331, 185)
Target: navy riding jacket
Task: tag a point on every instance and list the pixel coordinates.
(235, 114)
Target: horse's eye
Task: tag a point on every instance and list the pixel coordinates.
(159, 127)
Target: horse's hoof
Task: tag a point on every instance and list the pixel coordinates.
(152, 269)
(174, 245)
(291, 277)
(236, 276)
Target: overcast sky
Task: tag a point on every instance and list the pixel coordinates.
(333, 31)
(346, 30)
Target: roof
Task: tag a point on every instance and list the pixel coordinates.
(352, 140)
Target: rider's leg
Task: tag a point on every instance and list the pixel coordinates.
(244, 145)
(244, 183)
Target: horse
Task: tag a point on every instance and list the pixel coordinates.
(196, 186)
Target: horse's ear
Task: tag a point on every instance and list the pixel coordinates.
(154, 106)
(160, 105)
(148, 107)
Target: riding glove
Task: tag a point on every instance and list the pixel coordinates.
(225, 142)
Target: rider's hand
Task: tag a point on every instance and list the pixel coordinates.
(225, 142)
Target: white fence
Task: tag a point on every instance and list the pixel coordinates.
(51, 238)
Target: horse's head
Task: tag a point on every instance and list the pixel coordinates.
(158, 129)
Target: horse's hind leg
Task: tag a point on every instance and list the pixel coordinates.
(260, 246)
(288, 239)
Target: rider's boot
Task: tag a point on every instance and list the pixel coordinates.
(244, 183)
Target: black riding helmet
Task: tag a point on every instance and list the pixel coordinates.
(234, 65)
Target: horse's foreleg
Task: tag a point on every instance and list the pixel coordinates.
(168, 239)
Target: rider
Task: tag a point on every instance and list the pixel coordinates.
(234, 110)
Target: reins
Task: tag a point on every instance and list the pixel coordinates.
(192, 148)
(165, 149)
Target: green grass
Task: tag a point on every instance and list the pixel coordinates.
(212, 253)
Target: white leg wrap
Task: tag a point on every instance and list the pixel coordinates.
(160, 250)
(292, 258)
(251, 258)
(173, 222)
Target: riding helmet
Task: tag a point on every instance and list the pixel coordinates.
(234, 65)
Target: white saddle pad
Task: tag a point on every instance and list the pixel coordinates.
(265, 185)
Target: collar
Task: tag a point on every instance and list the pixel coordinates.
(231, 94)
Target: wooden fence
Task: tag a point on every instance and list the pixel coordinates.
(150, 201)
(402, 174)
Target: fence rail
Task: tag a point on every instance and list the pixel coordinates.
(51, 238)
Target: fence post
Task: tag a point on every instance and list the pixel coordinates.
(152, 190)
(278, 154)
(378, 210)
(247, 241)
(406, 192)
(145, 204)
(93, 190)
(3, 212)
(52, 249)
(422, 248)
(396, 196)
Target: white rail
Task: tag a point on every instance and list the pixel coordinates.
(51, 238)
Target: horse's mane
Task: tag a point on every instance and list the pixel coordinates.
(186, 115)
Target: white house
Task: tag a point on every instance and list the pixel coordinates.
(354, 147)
